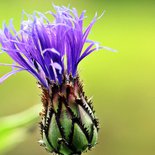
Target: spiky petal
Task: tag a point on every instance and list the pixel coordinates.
(48, 49)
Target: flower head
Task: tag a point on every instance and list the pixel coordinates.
(47, 49)
(51, 52)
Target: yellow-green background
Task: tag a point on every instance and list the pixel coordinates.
(122, 84)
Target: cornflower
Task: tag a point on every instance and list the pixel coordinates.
(51, 52)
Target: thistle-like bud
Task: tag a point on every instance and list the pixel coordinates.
(51, 52)
(68, 122)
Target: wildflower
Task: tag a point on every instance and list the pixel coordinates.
(51, 52)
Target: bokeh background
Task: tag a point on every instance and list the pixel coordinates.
(122, 83)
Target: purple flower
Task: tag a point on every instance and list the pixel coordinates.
(47, 49)
(51, 52)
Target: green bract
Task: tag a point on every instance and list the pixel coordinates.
(68, 122)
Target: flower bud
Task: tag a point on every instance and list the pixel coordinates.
(68, 122)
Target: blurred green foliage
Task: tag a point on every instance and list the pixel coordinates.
(122, 83)
(15, 128)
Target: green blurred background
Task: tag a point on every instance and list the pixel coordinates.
(122, 84)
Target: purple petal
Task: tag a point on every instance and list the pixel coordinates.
(3, 78)
(85, 35)
(11, 65)
(48, 50)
